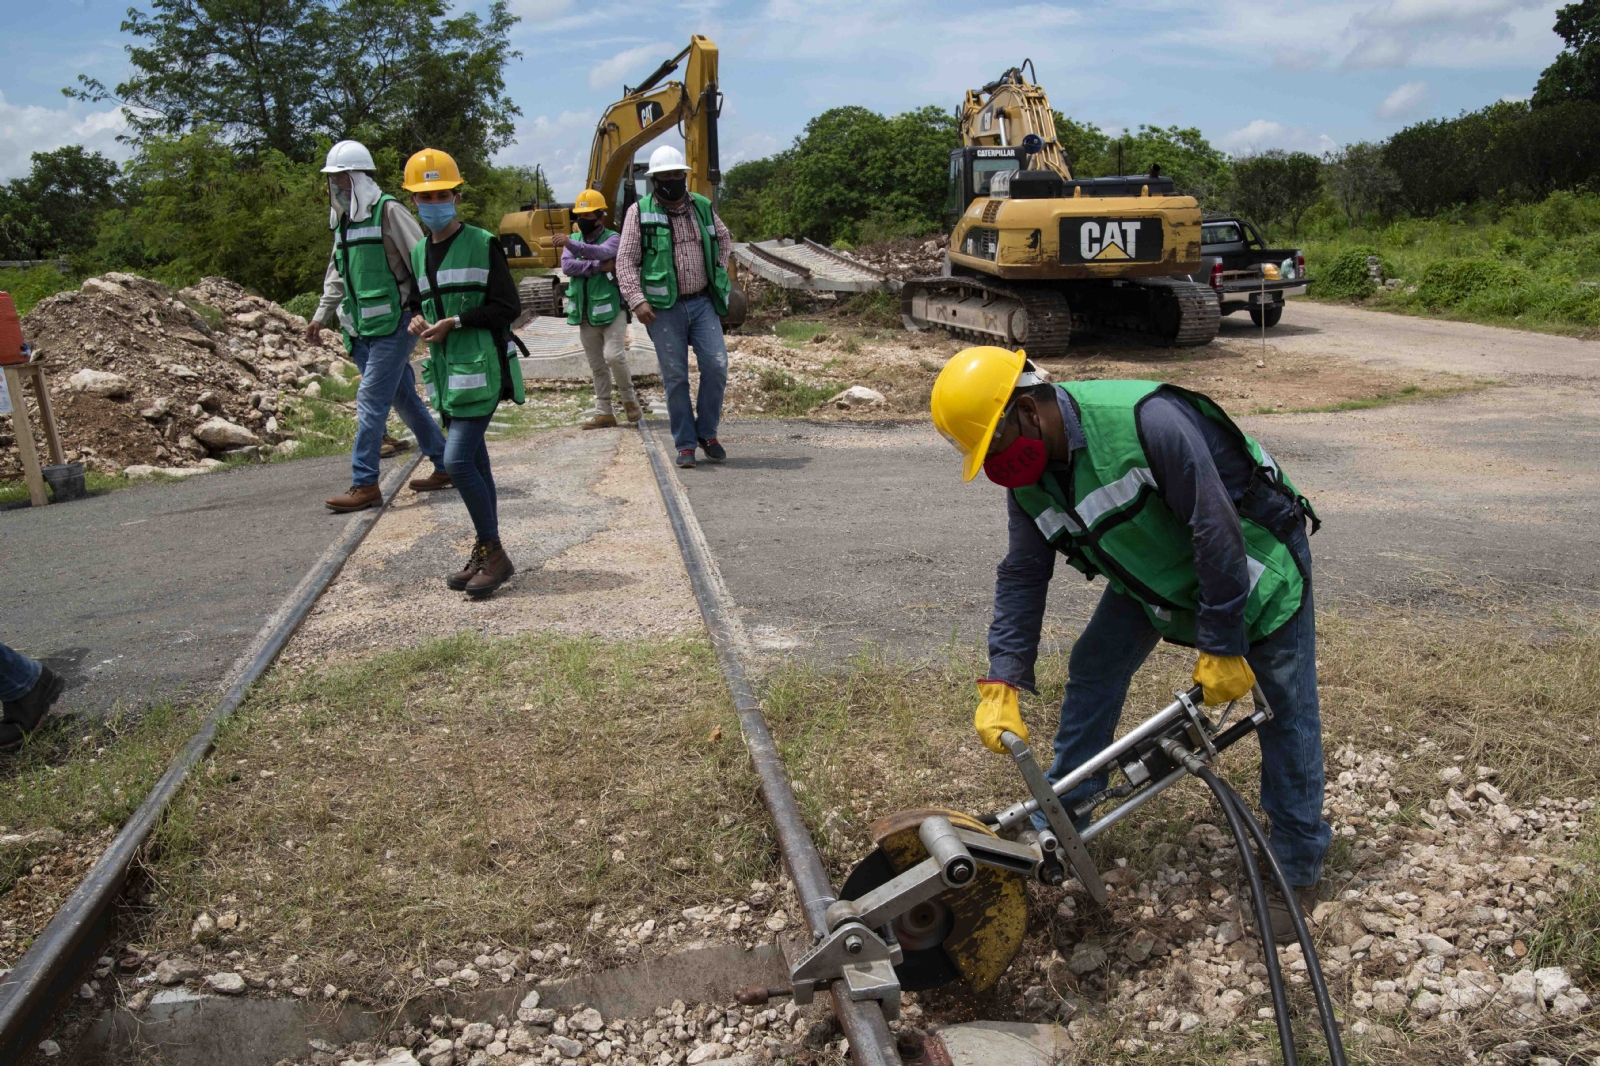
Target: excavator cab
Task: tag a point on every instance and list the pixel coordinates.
(972, 172)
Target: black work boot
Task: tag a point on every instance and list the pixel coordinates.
(1278, 911)
(23, 715)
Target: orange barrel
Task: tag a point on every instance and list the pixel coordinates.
(10, 331)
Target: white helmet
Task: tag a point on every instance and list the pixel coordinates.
(665, 159)
(349, 155)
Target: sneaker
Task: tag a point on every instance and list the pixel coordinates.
(392, 447)
(494, 570)
(631, 410)
(436, 480)
(686, 459)
(358, 498)
(715, 452)
(457, 581)
(600, 422)
(23, 715)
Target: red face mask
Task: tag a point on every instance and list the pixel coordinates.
(1016, 466)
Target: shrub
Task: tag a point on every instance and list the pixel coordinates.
(28, 287)
(1450, 282)
(304, 305)
(1345, 277)
(787, 395)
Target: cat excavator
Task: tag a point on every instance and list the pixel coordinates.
(645, 112)
(1036, 253)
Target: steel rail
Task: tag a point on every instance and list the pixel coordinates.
(43, 975)
(871, 1043)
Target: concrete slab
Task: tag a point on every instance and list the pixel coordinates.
(556, 353)
(1005, 1044)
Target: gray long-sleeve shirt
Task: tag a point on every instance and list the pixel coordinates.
(1201, 474)
(401, 232)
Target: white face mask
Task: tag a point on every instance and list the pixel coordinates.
(340, 197)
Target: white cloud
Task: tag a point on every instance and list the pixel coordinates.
(1516, 98)
(538, 10)
(1261, 134)
(1406, 101)
(560, 145)
(1390, 34)
(610, 71)
(25, 129)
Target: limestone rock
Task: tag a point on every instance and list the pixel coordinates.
(99, 383)
(570, 1049)
(175, 971)
(857, 396)
(229, 984)
(218, 433)
(588, 1020)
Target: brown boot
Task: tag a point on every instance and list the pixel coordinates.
(358, 498)
(392, 447)
(631, 409)
(436, 480)
(600, 422)
(458, 580)
(493, 572)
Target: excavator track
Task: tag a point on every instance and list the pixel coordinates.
(1173, 312)
(1035, 317)
(539, 294)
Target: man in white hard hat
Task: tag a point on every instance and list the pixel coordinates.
(672, 268)
(369, 287)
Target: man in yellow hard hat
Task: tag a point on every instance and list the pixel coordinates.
(469, 302)
(595, 306)
(1201, 539)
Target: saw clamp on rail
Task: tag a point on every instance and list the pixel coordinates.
(891, 936)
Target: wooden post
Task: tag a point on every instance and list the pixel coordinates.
(24, 433)
(47, 415)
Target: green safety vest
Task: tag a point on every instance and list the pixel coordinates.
(657, 273)
(594, 298)
(371, 295)
(1114, 522)
(468, 375)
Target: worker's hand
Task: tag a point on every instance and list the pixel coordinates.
(417, 325)
(1223, 678)
(997, 712)
(313, 332)
(560, 240)
(645, 313)
(437, 332)
(608, 266)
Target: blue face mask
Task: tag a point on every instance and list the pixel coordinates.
(437, 216)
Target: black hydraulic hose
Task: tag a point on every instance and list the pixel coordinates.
(1319, 986)
(1269, 947)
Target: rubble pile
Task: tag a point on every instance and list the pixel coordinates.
(144, 377)
(1429, 932)
(905, 257)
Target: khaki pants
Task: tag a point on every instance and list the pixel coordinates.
(607, 349)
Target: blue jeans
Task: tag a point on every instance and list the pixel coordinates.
(387, 380)
(18, 674)
(691, 321)
(466, 460)
(1116, 641)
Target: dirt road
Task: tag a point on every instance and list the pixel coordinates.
(844, 536)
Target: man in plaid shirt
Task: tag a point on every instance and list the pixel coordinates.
(672, 268)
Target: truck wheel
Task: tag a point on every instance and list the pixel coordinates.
(1274, 313)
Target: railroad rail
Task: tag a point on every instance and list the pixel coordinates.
(805, 264)
(45, 974)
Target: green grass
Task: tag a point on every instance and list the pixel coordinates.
(96, 482)
(796, 332)
(1408, 394)
(28, 287)
(1525, 266)
(788, 395)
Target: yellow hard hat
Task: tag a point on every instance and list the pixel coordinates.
(588, 201)
(970, 395)
(431, 169)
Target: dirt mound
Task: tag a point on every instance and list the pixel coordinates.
(140, 374)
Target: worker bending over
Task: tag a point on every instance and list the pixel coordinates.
(594, 305)
(370, 289)
(1201, 539)
(672, 265)
(469, 302)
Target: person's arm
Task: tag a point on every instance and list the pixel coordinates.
(332, 296)
(401, 232)
(1021, 587)
(606, 249)
(501, 304)
(575, 266)
(1192, 488)
(629, 254)
(724, 241)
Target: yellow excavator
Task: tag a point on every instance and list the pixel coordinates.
(645, 112)
(1036, 253)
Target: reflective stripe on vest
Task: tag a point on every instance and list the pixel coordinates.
(468, 381)
(375, 310)
(354, 234)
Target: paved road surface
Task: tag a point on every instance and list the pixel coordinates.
(153, 591)
(845, 535)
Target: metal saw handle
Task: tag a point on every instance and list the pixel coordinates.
(1066, 833)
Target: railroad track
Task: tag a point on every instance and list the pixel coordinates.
(48, 973)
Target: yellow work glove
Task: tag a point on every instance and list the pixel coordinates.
(997, 712)
(1223, 678)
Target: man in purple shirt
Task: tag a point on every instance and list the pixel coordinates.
(595, 306)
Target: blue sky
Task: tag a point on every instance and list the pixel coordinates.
(1251, 74)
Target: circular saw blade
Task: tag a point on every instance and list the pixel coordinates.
(968, 934)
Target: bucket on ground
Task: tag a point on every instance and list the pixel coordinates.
(65, 481)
